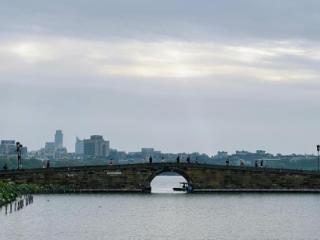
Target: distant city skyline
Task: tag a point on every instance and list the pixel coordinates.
(72, 146)
(218, 75)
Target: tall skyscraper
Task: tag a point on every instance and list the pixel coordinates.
(58, 139)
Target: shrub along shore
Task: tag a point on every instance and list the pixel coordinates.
(10, 191)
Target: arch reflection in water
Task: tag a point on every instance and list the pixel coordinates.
(165, 182)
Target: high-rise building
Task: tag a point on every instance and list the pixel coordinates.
(49, 149)
(58, 139)
(7, 147)
(221, 155)
(96, 146)
(79, 146)
(147, 150)
(60, 153)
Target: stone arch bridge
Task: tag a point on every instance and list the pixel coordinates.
(137, 178)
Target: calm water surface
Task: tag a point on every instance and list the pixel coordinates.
(165, 216)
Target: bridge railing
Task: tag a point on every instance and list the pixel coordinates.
(159, 165)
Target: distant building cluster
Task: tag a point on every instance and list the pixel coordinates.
(96, 149)
(55, 149)
(244, 157)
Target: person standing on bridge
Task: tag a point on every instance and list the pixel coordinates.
(227, 162)
(150, 159)
(178, 159)
(256, 163)
(188, 159)
(5, 167)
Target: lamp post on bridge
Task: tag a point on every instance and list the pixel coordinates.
(318, 150)
(19, 150)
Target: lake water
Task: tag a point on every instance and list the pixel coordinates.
(165, 216)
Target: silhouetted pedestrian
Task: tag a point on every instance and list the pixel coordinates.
(150, 159)
(188, 159)
(261, 163)
(5, 167)
(178, 159)
(256, 163)
(227, 162)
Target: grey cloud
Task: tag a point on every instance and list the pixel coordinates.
(218, 112)
(144, 19)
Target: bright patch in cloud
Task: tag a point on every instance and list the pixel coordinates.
(190, 61)
(31, 52)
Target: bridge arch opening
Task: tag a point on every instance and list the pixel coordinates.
(169, 181)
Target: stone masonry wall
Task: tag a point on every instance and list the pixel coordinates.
(137, 177)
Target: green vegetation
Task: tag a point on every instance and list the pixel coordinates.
(9, 191)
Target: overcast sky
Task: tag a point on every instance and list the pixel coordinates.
(174, 75)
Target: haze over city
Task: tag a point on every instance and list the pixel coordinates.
(215, 76)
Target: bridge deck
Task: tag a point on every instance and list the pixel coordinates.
(157, 165)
